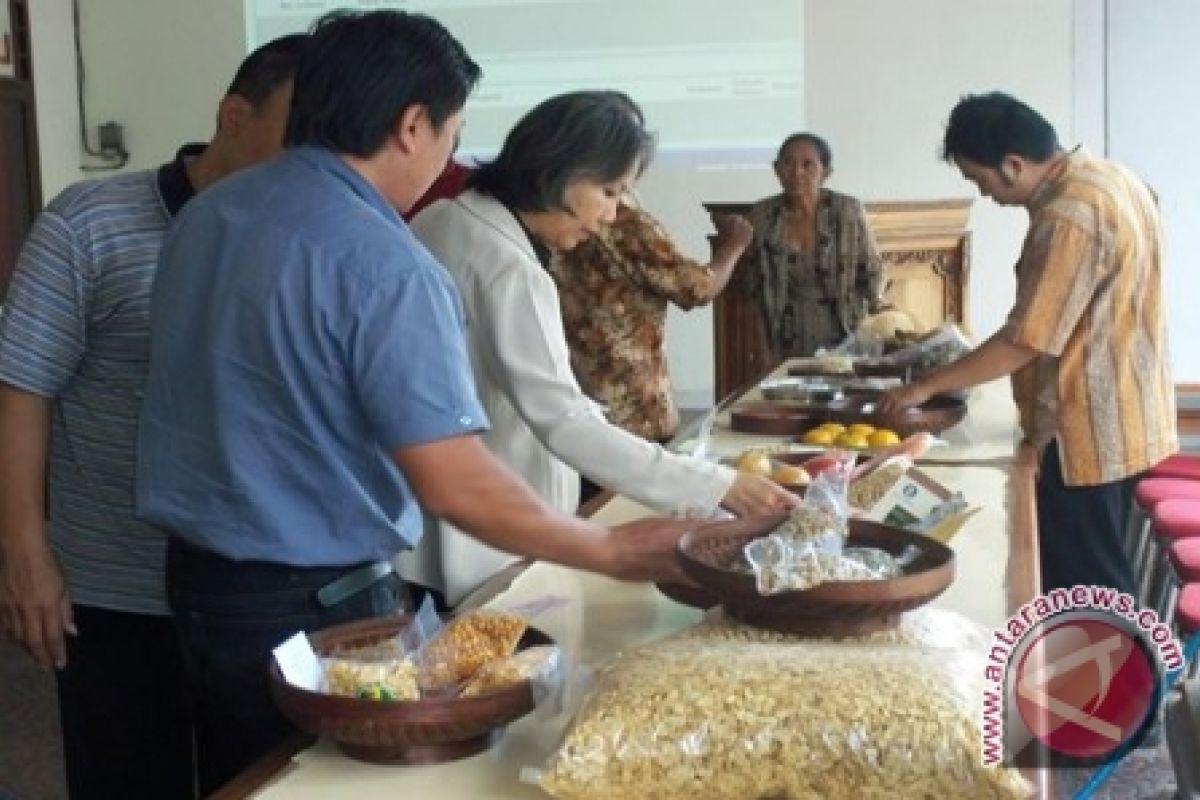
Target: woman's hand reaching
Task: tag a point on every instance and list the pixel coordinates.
(754, 495)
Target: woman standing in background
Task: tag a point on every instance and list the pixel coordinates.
(816, 270)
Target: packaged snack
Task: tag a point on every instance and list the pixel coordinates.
(464, 645)
(706, 716)
(534, 663)
(391, 679)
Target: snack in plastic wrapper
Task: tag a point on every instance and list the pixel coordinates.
(705, 716)
(866, 491)
(534, 663)
(465, 644)
(391, 679)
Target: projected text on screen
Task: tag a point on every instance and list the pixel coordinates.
(711, 76)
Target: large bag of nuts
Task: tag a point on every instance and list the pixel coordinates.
(722, 711)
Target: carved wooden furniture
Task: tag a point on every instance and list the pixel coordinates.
(926, 251)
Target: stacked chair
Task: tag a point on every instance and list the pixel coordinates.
(1162, 537)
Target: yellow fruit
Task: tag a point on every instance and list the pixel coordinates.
(883, 438)
(861, 429)
(851, 441)
(754, 461)
(791, 475)
(836, 428)
(820, 437)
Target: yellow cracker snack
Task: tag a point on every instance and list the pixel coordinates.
(726, 713)
(468, 642)
(496, 675)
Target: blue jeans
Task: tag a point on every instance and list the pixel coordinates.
(229, 616)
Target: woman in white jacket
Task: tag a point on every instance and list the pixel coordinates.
(556, 181)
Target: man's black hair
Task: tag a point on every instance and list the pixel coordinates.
(591, 135)
(267, 68)
(360, 71)
(985, 128)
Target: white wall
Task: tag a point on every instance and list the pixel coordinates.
(881, 78)
(159, 68)
(1152, 127)
(50, 30)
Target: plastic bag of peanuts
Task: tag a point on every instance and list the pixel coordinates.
(724, 711)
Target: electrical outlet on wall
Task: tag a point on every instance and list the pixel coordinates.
(112, 138)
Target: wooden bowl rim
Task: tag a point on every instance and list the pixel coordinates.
(424, 711)
(740, 587)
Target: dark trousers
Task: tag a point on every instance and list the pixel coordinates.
(123, 706)
(230, 615)
(1080, 528)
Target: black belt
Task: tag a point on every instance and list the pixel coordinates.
(344, 582)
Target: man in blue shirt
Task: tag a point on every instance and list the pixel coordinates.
(309, 384)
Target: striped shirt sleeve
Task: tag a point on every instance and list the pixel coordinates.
(1060, 272)
(43, 330)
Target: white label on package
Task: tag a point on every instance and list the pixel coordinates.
(907, 503)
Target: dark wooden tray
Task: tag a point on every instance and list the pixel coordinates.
(936, 415)
(773, 418)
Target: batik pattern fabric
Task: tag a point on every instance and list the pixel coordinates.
(1089, 302)
(844, 281)
(614, 290)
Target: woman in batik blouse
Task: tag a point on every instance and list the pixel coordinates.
(816, 271)
(614, 289)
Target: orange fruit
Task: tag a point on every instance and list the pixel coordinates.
(822, 437)
(883, 438)
(754, 461)
(791, 475)
(851, 441)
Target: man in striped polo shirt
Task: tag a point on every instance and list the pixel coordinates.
(88, 597)
(1086, 340)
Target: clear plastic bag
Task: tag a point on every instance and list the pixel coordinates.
(723, 711)
(943, 346)
(386, 670)
(808, 548)
(465, 644)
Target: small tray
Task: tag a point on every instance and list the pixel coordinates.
(800, 391)
(774, 418)
(935, 415)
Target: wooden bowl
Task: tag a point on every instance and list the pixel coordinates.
(837, 608)
(426, 731)
(693, 596)
(936, 415)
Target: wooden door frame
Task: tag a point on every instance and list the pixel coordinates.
(20, 90)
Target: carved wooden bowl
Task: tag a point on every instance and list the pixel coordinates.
(936, 415)
(836, 608)
(425, 731)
